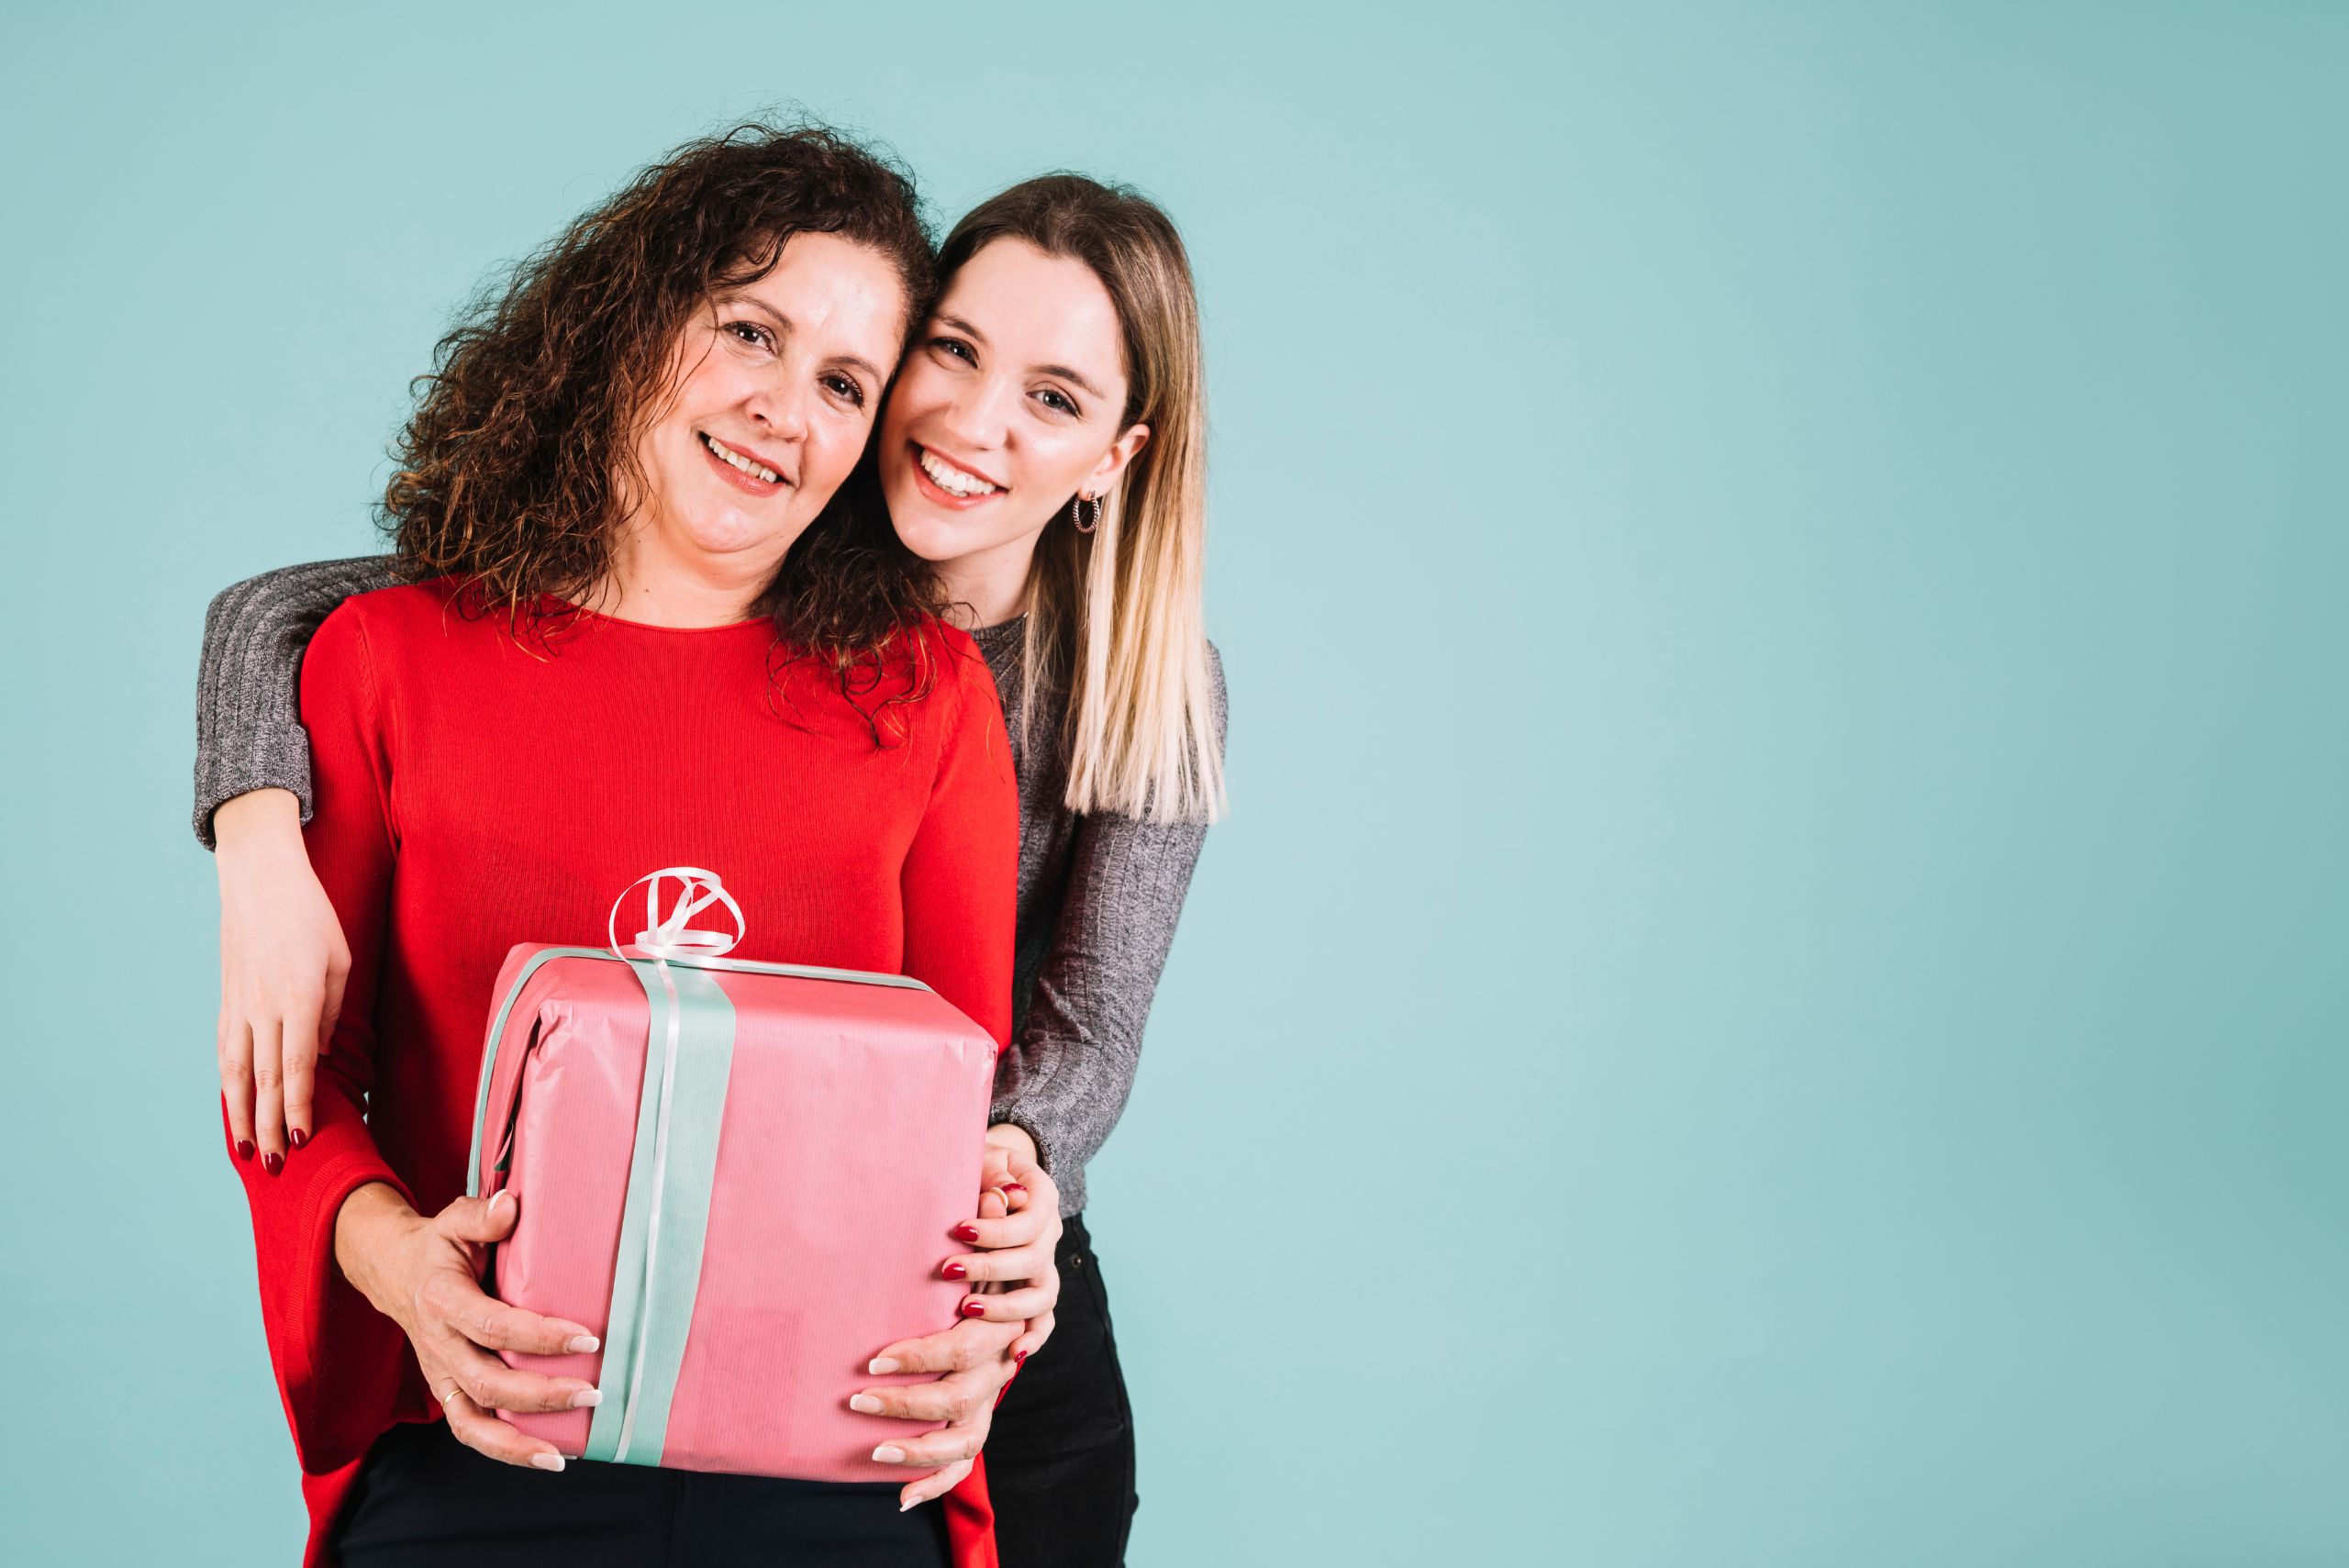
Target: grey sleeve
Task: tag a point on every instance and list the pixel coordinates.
(249, 731)
(1067, 1075)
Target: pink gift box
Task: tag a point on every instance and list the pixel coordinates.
(743, 1178)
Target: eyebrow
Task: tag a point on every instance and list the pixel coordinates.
(1063, 372)
(783, 324)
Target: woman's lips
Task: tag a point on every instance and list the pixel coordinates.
(930, 489)
(748, 484)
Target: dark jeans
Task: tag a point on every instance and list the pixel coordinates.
(1060, 1469)
(1061, 1458)
(425, 1500)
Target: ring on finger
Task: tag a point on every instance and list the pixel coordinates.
(453, 1391)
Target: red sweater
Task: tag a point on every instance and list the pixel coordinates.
(473, 792)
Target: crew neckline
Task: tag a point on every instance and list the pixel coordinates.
(584, 614)
(1002, 633)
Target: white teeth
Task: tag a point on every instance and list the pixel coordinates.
(755, 470)
(952, 480)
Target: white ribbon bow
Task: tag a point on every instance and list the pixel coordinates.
(671, 938)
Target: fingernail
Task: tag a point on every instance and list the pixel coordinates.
(272, 1163)
(298, 1137)
(954, 1269)
(966, 1232)
(583, 1344)
(909, 1503)
(244, 1149)
(547, 1461)
(866, 1403)
(1019, 1357)
(973, 1306)
(587, 1399)
(1013, 1188)
(503, 1194)
(880, 1366)
(889, 1453)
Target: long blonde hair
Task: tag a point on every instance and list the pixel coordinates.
(1120, 611)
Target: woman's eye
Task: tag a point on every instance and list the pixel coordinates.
(1055, 402)
(749, 332)
(956, 347)
(847, 388)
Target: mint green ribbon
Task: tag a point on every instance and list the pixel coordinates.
(691, 1043)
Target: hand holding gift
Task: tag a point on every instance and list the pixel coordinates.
(424, 1275)
(1019, 1227)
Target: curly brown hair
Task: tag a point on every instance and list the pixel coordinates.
(513, 468)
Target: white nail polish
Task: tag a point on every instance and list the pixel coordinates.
(909, 1503)
(889, 1453)
(864, 1404)
(880, 1366)
(547, 1461)
(583, 1344)
(587, 1399)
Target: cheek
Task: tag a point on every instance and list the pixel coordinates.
(896, 415)
(833, 453)
(714, 384)
(921, 391)
(1052, 461)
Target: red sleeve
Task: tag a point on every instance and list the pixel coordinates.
(339, 1361)
(960, 882)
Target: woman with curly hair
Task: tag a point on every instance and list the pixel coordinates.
(635, 627)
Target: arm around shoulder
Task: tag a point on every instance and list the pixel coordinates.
(249, 733)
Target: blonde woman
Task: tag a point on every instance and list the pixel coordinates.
(1042, 448)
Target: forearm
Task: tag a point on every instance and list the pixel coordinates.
(1065, 1095)
(1067, 1076)
(249, 734)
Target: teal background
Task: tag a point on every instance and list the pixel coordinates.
(1774, 990)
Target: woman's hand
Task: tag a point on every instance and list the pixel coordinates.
(1018, 1229)
(975, 1357)
(282, 963)
(1014, 1275)
(424, 1275)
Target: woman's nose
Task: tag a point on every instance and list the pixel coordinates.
(783, 409)
(975, 418)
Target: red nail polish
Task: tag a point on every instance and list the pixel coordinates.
(973, 1307)
(1019, 1358)
(966, 1232)
(272, 1163)
(1013, 1188)
(244, 1149)
(954, 1269)
(298, 1137)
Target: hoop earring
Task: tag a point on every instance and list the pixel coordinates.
(1076, 513)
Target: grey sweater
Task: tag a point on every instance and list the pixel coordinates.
(1099, 894)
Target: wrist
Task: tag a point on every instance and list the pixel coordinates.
(252, 824)
(1014, 1139)
(368, 1227)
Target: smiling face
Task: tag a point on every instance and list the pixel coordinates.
(1012, 401)
(772, 392)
